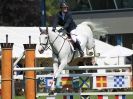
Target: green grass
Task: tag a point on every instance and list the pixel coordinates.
(76, 97)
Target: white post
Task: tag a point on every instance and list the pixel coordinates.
(19, 58)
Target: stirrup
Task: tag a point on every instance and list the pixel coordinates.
(74, 49)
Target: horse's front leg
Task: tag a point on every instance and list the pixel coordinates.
(61, 67)
(55, 64)
(56, 74)
(55, 68)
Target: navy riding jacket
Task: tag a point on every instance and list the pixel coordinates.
(66, 22)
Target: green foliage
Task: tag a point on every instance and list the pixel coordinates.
(52, 7)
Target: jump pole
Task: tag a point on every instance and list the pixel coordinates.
(6, 70)
(30, 76)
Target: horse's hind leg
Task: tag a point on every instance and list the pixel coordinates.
(89, 53)
(90, 45)
(94, 51)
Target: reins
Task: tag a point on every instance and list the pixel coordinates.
(52, 43)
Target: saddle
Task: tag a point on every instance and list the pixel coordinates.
(67, 36)
(74, 45)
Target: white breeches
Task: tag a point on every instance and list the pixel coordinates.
(73, 35)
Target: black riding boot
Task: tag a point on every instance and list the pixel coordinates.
(79, 48)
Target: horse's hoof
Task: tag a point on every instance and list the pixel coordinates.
(81, 53)
(51, 92)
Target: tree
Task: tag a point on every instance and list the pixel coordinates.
(19, 12)
(25, 12)
(52, 7)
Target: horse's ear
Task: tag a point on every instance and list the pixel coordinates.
(40, 29)
(46, 29)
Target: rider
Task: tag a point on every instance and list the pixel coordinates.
(64, 19)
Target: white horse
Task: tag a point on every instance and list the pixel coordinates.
(61, 47)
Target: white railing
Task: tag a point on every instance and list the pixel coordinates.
(75, 68)
(87, 93)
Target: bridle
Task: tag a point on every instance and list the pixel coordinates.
(51, 43)
(46, 44)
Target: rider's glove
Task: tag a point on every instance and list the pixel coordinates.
(60, 30)
(53, 29)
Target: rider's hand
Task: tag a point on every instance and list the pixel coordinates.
(53, 29)
(60, 30)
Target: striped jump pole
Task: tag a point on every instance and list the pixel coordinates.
(105, 95)
(116, 97)
(102, 97)
(30, 76)
(120, 97)
(6, 83)
(68, 97)
(87, 95)
(64, 97)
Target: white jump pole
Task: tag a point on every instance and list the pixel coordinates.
(87, 93)
(98, 94)
(79, 75)
(75, 68)
(19, 58)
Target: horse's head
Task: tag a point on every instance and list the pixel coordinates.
(43, 39)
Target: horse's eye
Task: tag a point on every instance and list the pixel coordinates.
(46, 37)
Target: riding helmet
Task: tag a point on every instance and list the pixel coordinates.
(63, 4)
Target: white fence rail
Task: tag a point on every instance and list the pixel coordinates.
(80, 75)
(75, 68)
(88, 93)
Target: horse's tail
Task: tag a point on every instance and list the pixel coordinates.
(95, 27)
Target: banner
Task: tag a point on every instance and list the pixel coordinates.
(104, 82)
(58, 83)
(75, 82)
(67, 82)
(101, 81)
(49, 81)
(118, 81)
(84, 82)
